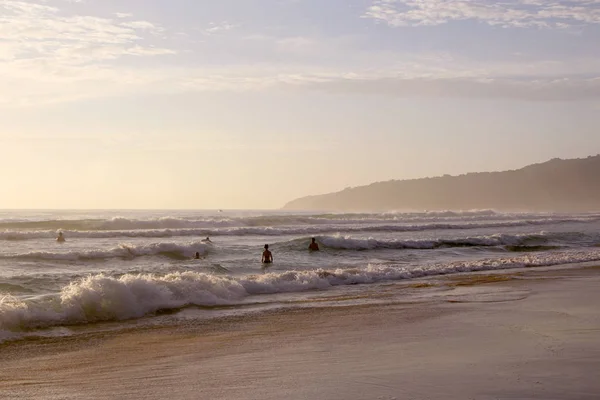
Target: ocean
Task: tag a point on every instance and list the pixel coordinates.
(133, 269)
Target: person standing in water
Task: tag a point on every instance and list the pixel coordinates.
(313, 246)
(197, 257)
(267, 256)
(60, 238)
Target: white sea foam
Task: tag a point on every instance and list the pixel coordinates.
(382, 226)
(346, 242)
(349, 243)
(451, 219)
(105, 298)
(186, 250)
(339, 242)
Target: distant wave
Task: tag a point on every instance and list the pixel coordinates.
(172, 250)
(116, 223)
(104, 298)
(449, 218)
(29, 234)
(520, 242)
(340, 242)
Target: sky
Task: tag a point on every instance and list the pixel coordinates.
(248, 104)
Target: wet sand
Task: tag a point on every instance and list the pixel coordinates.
(531, 336)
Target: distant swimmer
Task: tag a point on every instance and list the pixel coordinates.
(267, 257)
(60, 238)
(314, 246)
(207, 240)
(197, 256)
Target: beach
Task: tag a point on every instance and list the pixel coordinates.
(527, 335)
(300, 200)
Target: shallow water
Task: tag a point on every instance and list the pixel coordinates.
(122, 266)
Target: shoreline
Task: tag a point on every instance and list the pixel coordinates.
(421, 295)
(100, 329)
(520, 334)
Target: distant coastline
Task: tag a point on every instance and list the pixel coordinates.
(556, 185)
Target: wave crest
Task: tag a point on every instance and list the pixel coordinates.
(104, 298)
(173, 250)
(519, 242)
(449, 218)
(12, 234)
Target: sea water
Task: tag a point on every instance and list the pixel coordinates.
(123, 268)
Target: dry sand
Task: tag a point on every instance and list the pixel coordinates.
(537, 337)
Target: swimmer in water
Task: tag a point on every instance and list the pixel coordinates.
(60, 238)
(267, 256)
(197, 255)
(314, 246)
(207, 240)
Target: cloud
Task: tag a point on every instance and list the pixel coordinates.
(48, 55)
(43, 50)
(32, 31)
(442, 76)
(142, 25)
(426, 77)
(558, 89)
(219, 27)
(510, 13)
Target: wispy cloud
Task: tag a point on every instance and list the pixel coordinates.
(31, 31)
(219, 27)
(48, 55)
(509, 13)
(559, 89)
(412, 79)
(43, 48)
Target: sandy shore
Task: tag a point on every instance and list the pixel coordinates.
(535, 337)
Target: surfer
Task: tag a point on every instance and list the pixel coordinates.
(267, 256)
(197, 255)
(60, 238)
(313, 246)
(207, 240)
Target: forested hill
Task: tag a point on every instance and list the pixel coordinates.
(556, 185)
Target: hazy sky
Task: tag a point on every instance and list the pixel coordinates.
(251, 103)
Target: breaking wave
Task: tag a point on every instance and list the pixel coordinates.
(127, 251)
(449, 218)
(139, 231)
(524, 242)
(517, 243)
(105, 298)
